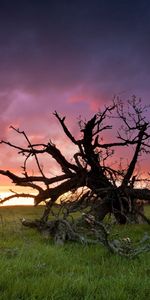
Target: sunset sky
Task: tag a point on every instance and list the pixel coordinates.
(69, 56)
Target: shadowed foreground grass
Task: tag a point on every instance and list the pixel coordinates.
(34, 268)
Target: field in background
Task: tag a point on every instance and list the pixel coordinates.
(33, 268)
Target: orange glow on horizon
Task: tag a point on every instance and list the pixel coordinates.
(15, 201)
(5, 191)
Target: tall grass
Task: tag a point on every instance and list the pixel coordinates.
(32, 267)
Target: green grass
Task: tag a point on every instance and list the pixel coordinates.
(32, 268)
(147, 210)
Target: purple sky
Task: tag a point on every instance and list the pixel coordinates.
(69, 56)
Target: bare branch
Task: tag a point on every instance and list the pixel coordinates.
(30, 145)
(17, 195)
(135, 157)
(66, 130)
(28, 179)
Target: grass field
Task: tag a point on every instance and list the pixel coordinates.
(34, 268)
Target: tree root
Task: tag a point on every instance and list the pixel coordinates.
(62, 230)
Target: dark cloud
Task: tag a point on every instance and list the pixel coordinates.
(52, 50)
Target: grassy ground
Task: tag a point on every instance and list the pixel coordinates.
(34, 268)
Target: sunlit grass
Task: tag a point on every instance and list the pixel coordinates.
(34, 268)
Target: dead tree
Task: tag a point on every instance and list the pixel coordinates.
(109, 189)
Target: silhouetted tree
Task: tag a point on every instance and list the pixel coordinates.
(109, 189)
